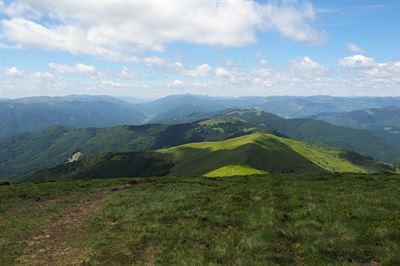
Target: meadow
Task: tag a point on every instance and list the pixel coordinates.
(277, 219)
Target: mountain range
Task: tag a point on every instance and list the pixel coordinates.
(253, 154)
(23, 153)
(34, 113)
(383, 122)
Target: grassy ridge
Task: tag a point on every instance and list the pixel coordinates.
(296, 219)
(252, 154)
(264, 152)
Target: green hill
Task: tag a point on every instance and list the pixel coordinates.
(52, 146)
(263, 152)
(252, 154)
(322, 133)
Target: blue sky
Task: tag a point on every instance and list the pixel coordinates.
(229, 48)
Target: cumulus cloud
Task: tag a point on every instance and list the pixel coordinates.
(154, 61)
(352, 47)
(18, 9)
(357, 61)
(263, 62)
(117, 29)
(222, 72)
(127, 74)
(26, 75)
(306, 64)
(203, 70)
(113, 84)
(13, 72)
(301, 76)
(291, 19)
(76, 69)
(175, 83)
(386, 70)
(41, 75)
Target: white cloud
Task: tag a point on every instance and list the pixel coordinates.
(202, 70)
(222, 72)
(18, 9)
(77, 69)
(199, 71)
(13, 72)
(26, 75)
(127, 74)
(357, 61)
(117, 29)
(291, 20)
(85, 69)
(176, 83)
(41, 75)
(352, 47)
(306, 64)
(113, 84)
(263, 62)
(301, 76)
(386, 70)
(154, 61)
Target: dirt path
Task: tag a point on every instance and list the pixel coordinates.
(53, 245)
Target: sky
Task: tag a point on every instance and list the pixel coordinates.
(150, 49)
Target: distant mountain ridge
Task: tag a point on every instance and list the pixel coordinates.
(26, 152)
(383, 122)
(34, 113)
(284, 106)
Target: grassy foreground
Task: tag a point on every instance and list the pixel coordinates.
(320, 219)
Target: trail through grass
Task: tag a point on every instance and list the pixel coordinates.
(285, 219)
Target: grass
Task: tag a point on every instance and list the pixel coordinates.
(264, 152)
(276, 219)
(235, 170)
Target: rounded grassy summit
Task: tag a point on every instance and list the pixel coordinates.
(262, 153)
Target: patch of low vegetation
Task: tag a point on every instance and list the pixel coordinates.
(235, 170)
(275, 219)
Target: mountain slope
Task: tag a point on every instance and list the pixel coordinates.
(52, 146)
(372, 118)
(25, 152)
(252, 154)
(35, 113)
(262, 152)
(49, 147)
(383, 122)
(322, 133)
